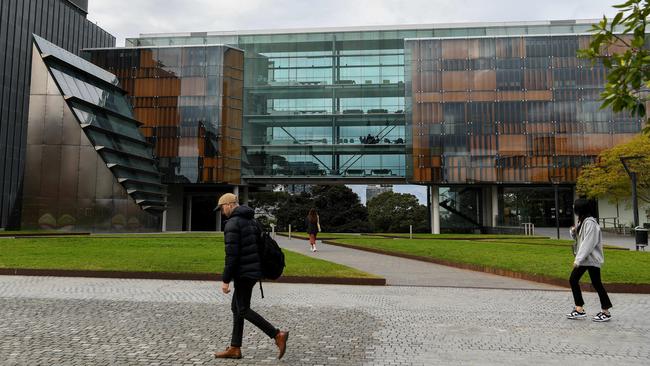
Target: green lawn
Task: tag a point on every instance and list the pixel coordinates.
(548, 260)
(189, 253)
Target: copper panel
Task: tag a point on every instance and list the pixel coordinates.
(483, 96)
(428, 97)
(455, 81)
(538, 95)
(512, 145)
(510, 95)
(455, 49)
(483, 80)
(455, 97)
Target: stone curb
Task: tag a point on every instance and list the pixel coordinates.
(184, 276)
(35, 235)
(611, 287)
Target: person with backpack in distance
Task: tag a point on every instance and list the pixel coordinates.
(313, 227)
(243, 265)
(588, 251)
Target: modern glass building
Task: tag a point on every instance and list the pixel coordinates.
(503, 117)
(190, 100)
(488, 116)
(90, 168)
(62, 22)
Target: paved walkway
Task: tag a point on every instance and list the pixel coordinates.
(89, 321)
(624, 241)
(401, 271)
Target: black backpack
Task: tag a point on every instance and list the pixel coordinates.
(271, 256)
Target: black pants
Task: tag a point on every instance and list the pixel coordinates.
(594, 274)
(241, 303)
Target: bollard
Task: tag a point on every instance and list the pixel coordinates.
(289, 231)
(410, 231)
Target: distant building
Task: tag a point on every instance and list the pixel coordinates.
(485, 115)
(374, 190)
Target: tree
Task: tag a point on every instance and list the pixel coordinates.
(340, 209)
(266, 205)
(620, 45)
(606, 178)
(293, 210)
(394, 212)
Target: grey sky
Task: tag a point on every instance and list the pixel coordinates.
(129, 18)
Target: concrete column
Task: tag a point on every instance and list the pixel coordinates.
(495, 205)
(235, 191)
(218, 221)
(435, 209)
(243, 199)
(173, 216)
(164, 221)
(188, 213)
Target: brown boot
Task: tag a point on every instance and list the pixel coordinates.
(281, 342)
(230, 352)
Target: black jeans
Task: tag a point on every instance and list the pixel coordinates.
(241, 303)
(594, 274)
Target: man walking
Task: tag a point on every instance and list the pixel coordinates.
(244, 267)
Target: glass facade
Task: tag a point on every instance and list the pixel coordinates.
(331, 104)
(90, 169)
(190, 102)
(506, 110)
(487, 114)
(323, 109)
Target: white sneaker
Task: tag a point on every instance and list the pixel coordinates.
(575, 314)
(602, 317)
(313, 249)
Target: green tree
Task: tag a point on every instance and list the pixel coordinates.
(606, 178)
(394, 212)
(293, 210)
(340, 209)
(266, 205)
(620, 45)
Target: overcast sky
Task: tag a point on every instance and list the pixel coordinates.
(129, 18)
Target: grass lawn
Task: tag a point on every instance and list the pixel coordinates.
(548, 260)
(146, 253)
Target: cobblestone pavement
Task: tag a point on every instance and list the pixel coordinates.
(77, 321)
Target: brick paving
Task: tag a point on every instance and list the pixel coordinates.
(81, 321)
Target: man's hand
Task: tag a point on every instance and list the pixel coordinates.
(225, 287)
(575, 265)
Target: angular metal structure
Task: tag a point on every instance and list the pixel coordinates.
(88, 164)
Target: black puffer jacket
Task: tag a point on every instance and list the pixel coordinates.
(240, 236)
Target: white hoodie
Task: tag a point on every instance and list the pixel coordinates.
(589, 245)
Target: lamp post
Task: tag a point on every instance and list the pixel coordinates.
(555, 180)
(635, 204)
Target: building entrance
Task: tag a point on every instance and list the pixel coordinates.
(203, 217)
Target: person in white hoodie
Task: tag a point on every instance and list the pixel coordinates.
(588, 251)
